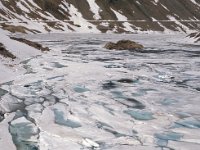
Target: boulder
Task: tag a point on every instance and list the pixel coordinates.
(124, 45)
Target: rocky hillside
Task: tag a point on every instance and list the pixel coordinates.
(99, 15)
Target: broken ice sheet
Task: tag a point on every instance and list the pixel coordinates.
(25, 134)
(142, 92)
(59, 78)
(10, 103)
(169, 136)
(35, 108)
(168, 101)
(109, 129)
(130, 102)
(37, 88)
(140, 115)
(135, 103)
(58, 65)
(89, 143)
(101, 114)
(60, 119)
(118, 94)
(187, 123)
(2, 92)
(183, 115)
(33, 100)
(162, 143)
(80, 89)
(139, 93)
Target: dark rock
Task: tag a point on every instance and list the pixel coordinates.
(136, 104)
(31, 43)
(195, 35)
(5, 53)
(198, 89)
(27, 85)
(123, 80)
(124, 45)
(109, 85)
(3, 92)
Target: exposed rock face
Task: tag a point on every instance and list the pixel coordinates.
(31, 43)
(5, 53)
(124, 45)
(195, 35)
(99, 15)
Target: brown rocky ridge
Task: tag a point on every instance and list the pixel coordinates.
(31, 43)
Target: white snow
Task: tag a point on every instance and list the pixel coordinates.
(21, 4)
(94, 8)
(22, 51)
(186, 29)
(124, 19)
(34, 4)
(194, 1)
(119, 16)
(77, 18)
(164, 7)
(19, 49)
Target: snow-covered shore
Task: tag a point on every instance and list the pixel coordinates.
(11, 68)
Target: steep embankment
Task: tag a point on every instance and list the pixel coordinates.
(99, 15)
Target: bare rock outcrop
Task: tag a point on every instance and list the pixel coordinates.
(5, 53)
(124, 45)
(31, 43)
(195, 35)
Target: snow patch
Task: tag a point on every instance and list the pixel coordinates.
(94, 8)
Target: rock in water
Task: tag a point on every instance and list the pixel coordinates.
(124, 45)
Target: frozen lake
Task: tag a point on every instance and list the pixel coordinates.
(82, 96)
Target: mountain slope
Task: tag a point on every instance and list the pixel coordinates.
(99, 15)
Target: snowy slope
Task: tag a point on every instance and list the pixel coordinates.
(99, 15)
(10, 68)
